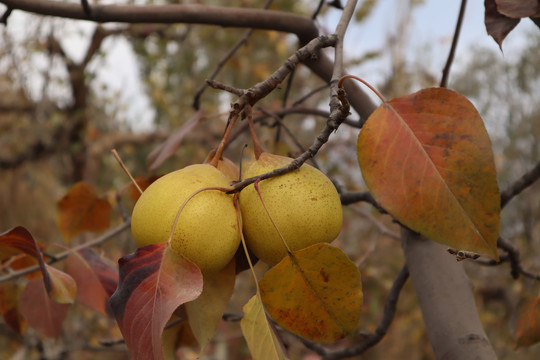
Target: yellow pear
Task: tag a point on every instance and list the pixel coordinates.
(303, 203)
(206, 232)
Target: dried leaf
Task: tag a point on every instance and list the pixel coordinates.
(498, 25)
(316, 293)
(517, 8)
(260, 336)
(9, 307)
(528, 323)
(40, 311)
(82, 210)
(427, 159)
(166, 149)
(205, 312)
(154, 281)
(96, 279)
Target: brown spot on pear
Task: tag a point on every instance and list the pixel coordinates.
(303, 203)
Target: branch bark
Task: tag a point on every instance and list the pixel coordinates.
(446, 299)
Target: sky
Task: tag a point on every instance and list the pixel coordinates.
(433, 23)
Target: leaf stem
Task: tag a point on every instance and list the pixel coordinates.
(117, 157)
(345, 77)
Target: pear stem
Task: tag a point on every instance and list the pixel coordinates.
(117, 157)
(224, 189)
(256, 185)
(257, 148)
(240, 226)
(219, 152)
(345, 77)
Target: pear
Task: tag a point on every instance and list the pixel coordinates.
(303, 203)
(207, 231)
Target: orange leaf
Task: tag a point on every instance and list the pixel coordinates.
(528, 323)
(82, 210)
(41, 312)
(205, 312)
(315, 293)
(96, 279)
(260, 336)
(9, 306)
(154, 281)
(428, 161)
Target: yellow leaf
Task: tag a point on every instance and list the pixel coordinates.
(260, 337)
(315, 293)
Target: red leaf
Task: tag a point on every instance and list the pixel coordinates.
(20, 239)
(42, 313)
(96, 279)
(497, 24)
(427, 159)
(169, 146)
(154, 281)
(9, 306)
(82, 210)
(63, 286)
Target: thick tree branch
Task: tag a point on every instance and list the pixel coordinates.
(446, 299)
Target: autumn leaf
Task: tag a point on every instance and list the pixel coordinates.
(40, 311)
(96, 279)
(18, 240)
(498, 25)
(205, 312)
(10, 308)
(517, 8)
(154, 281)
(260, 336)
(427, 160)
(82, 210)
(527, 323)
(315, 293)
(63, 288)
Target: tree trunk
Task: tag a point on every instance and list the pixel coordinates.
(446, 299)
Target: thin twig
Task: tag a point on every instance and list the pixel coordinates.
(218, 85)
(224, 60)
(341, 28)
(446, 70)
(86, 7)
(5, 16)
(354, 197)
(521, 184)
(60, 256)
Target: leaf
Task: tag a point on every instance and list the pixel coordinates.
(260, 336)
(166, 149)
(9, 307)
(19, 239)
(205, 312)
(427, 160)
(96, 279)
(64, 288)
(517, 8)
(498, 25)
(154, 281)
(527, 325)
(82, 210)
(315, 293)
(40, 311)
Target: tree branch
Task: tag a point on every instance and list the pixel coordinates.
(521, 184)
(446, 70)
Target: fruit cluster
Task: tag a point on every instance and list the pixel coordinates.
(302, 208)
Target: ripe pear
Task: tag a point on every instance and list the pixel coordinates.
(207, 231)
(303, 203)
